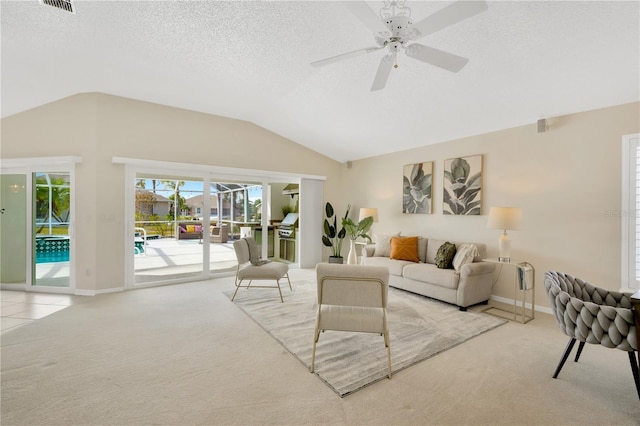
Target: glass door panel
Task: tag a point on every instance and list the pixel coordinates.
(168, 242)
(13, 229)
(51, 220)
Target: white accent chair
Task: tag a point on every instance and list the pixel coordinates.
(247, 271)
(352, 298)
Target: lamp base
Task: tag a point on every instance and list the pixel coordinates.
(504, 248)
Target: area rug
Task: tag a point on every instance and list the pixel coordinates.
(419, 328)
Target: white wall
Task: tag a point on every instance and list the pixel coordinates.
(566, 180)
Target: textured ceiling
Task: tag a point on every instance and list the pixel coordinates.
(250, 60)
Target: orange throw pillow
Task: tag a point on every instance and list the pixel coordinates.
(404, 248)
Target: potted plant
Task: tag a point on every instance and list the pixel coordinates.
(332, 236)
(355, 231)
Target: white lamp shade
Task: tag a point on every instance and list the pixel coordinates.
(368, 211)
(505, 218)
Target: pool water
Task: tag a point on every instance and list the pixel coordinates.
(52, 256)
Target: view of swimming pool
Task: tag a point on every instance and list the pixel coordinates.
(52, 256)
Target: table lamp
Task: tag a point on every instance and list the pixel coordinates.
(369, 211)
(505, 218)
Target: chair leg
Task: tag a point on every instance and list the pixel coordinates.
(634, 370)
(290, 288)
(580, 347)
(279, 291)
(316, 336)
(237, 287)
(567, 351)
(388, 345)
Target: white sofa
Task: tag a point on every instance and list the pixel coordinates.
(469, 285)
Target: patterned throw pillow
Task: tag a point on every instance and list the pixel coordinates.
(383, 245)
(404, 248)
(445, 255)
(464, 254)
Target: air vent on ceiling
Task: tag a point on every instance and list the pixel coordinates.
(65, 5)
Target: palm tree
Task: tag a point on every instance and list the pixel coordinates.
(175, 185)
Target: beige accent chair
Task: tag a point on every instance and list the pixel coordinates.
(248, 271)
(591, 314)
(352, 298)
(220, 233)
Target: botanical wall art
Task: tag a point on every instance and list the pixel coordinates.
(462, 193)
(416, 188)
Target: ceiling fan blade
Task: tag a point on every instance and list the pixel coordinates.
(439, 58)
(450, 15)
(368, 17)
(382, 75)
(344, 56)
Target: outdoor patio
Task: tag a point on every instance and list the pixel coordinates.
(168, 258)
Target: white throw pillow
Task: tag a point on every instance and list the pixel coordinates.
(383, 244)
(464, 254)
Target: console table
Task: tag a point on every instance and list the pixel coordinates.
(521, 286)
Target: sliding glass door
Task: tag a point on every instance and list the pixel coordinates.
(13, 229)
(51, 226)
(168, 227)
(35, 227)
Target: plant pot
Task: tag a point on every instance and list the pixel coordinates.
(336, 259)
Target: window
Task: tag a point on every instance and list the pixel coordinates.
(630, 212)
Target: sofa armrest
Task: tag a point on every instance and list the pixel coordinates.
(476, 283)
(477, 268)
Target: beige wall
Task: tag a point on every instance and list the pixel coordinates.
(98, 127)
(566, 180)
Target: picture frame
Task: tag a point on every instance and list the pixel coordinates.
(417, 186)
(462, 186)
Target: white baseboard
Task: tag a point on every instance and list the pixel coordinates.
(542, 309)
(82, 292)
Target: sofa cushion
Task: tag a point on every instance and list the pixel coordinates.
(422, 249)
(428, 273)
(432, 249)
(395, 266)
(465, 253)
(383, 244)
(445, 255)
(191, 229)
(404, 248)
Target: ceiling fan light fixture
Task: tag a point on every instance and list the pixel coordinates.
(393, 29)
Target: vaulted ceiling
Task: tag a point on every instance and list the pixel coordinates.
(250, 60)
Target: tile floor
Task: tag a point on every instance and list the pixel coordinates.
(18, 308)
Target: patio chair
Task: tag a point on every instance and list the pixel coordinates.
(251, 268)
(590, 314)
(352, 298)
(220, 233)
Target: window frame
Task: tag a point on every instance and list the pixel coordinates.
(629, 213)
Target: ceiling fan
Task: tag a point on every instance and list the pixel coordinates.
(394, 30)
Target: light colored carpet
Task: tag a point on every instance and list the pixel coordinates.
(419, 328)
(186, 355)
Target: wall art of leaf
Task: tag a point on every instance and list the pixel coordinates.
(416, 188)
(463, 186)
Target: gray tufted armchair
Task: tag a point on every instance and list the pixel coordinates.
(590, 314)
